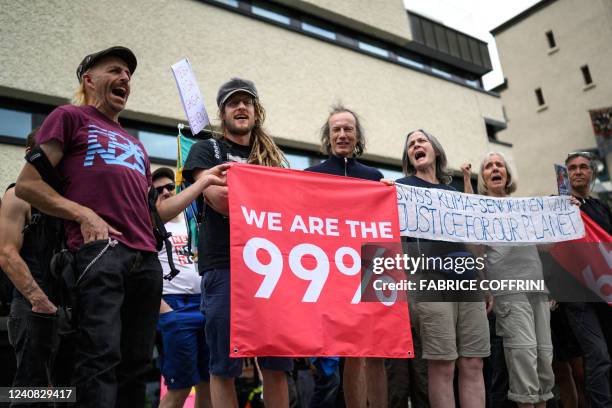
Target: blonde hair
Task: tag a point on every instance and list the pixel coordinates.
(264, 151)
(510, 183)
(79, 98)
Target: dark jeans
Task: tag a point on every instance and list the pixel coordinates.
(33, 336)
(589, 331)
(43, 349)
(325, 389)
(407, 377)
(496, 372)
(118, 301)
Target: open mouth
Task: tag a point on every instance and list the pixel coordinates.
(120, 92)
(419, 155)
(496, 177)
(241, 117)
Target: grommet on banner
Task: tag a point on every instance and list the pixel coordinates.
(235, 349)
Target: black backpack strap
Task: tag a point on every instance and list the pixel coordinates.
(220, 154)
(161, 235)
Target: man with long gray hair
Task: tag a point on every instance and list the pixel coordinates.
(343, 139)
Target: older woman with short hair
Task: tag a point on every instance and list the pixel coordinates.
(451, 331)
(522, 319)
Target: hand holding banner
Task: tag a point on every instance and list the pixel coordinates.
(295, 260)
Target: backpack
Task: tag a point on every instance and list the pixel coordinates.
(61, 273)
(6, 286)
(45, 234)
(195, 211)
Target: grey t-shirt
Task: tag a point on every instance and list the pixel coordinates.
(520, 263)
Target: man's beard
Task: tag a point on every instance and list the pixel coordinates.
(234, 130)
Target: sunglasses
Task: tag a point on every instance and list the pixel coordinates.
(170, 187)
(587, 155)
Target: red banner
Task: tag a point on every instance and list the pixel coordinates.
(589, 259)
(295, 260)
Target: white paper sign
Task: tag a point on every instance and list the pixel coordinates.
(452, 216)
(192, 100)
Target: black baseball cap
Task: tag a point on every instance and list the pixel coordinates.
(235, 85)
(121, 52)
(163, 172)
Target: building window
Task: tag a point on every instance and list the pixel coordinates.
(304, 23)
(298, 161)
(321, 32)
(440, 71)
(391, 174)
(159, 145)
(551, 39)
(475, 83)
(271, 15)
(373, 49)
(586, 75)
(410, 62)
(15, 123)
(493, 126)
(231, 3)
(540, 97)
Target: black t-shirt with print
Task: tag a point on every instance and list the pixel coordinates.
(214, 245)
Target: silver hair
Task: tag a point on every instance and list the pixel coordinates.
(510, 181)
(592, 162)
(326, 131)
(442, 174)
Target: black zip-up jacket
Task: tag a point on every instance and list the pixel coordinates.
(342, 166)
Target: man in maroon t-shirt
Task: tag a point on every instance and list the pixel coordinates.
(108, 226)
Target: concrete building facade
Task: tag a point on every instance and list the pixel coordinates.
(556, 58)
(399, 71)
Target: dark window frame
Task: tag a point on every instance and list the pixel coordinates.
(550, 37)
(540, 97)
(586, 74)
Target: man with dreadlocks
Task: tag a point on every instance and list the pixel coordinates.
(244, 140)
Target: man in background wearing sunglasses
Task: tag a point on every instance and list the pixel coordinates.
(183, 354)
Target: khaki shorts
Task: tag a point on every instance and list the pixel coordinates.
(453, 329)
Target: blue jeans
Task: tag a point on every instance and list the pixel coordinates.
(183, 356)
(216, 308)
